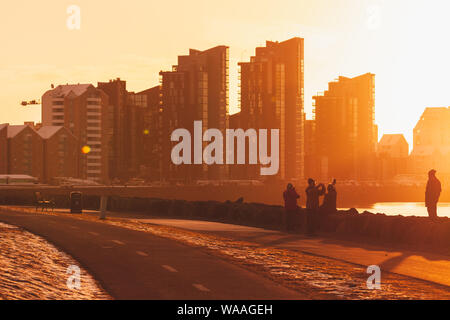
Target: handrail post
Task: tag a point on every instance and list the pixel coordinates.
(103, 206)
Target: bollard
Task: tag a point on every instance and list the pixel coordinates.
(103, 205)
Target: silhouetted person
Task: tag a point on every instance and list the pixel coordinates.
(290, 197)
(329, 204)
(432, 193)
(313, 193)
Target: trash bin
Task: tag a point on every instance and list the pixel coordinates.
(76, 203)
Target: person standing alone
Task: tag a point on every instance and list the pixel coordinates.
(432, 193)
(290, 205)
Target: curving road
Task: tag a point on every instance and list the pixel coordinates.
(137, 265)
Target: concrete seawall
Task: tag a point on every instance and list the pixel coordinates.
(348, 195)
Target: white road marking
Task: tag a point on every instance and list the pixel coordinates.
(142, 253)
(94, 233)
(73, 227)
(200, 287)
(169, 268)
(118, 242)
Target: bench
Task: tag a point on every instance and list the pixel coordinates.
(43, 203)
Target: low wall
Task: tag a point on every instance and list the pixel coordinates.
(348, 196)
(418, 233)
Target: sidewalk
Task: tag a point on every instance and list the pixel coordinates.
(420, 265)
(131, 264)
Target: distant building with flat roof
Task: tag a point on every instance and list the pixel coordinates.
(272, 97)
(195, 90)
(346, 134)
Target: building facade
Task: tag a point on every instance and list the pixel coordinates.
(392, 156)
(346, 134)
(24, 151)
(150, 149)
(84, 110)
(272, 97)
(3, 148)
(311, 164)
(195, 90)
(432, 141)
(119, 129)
(60, 153)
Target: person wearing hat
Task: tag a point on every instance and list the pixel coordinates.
(432, 193)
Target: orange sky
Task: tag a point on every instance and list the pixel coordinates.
(404, 42)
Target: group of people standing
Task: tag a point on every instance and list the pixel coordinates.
(314, 211)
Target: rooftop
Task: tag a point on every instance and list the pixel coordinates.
(15, 130)
(76, 89)
(391, 139)
(48, 131)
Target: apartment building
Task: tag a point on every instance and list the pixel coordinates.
(346, 134)
(272, 97)
(195, 89)
(84, 110)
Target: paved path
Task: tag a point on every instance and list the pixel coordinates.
(137, 265)
(420, 265)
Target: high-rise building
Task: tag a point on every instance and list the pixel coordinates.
(136, 126)
(84, 111)
(311, 167)
(195, 89)
(272, 97)
(135, 119)
(237, 171)
(118, 95)
(346, 134)
(151, 127)
(432, 141)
